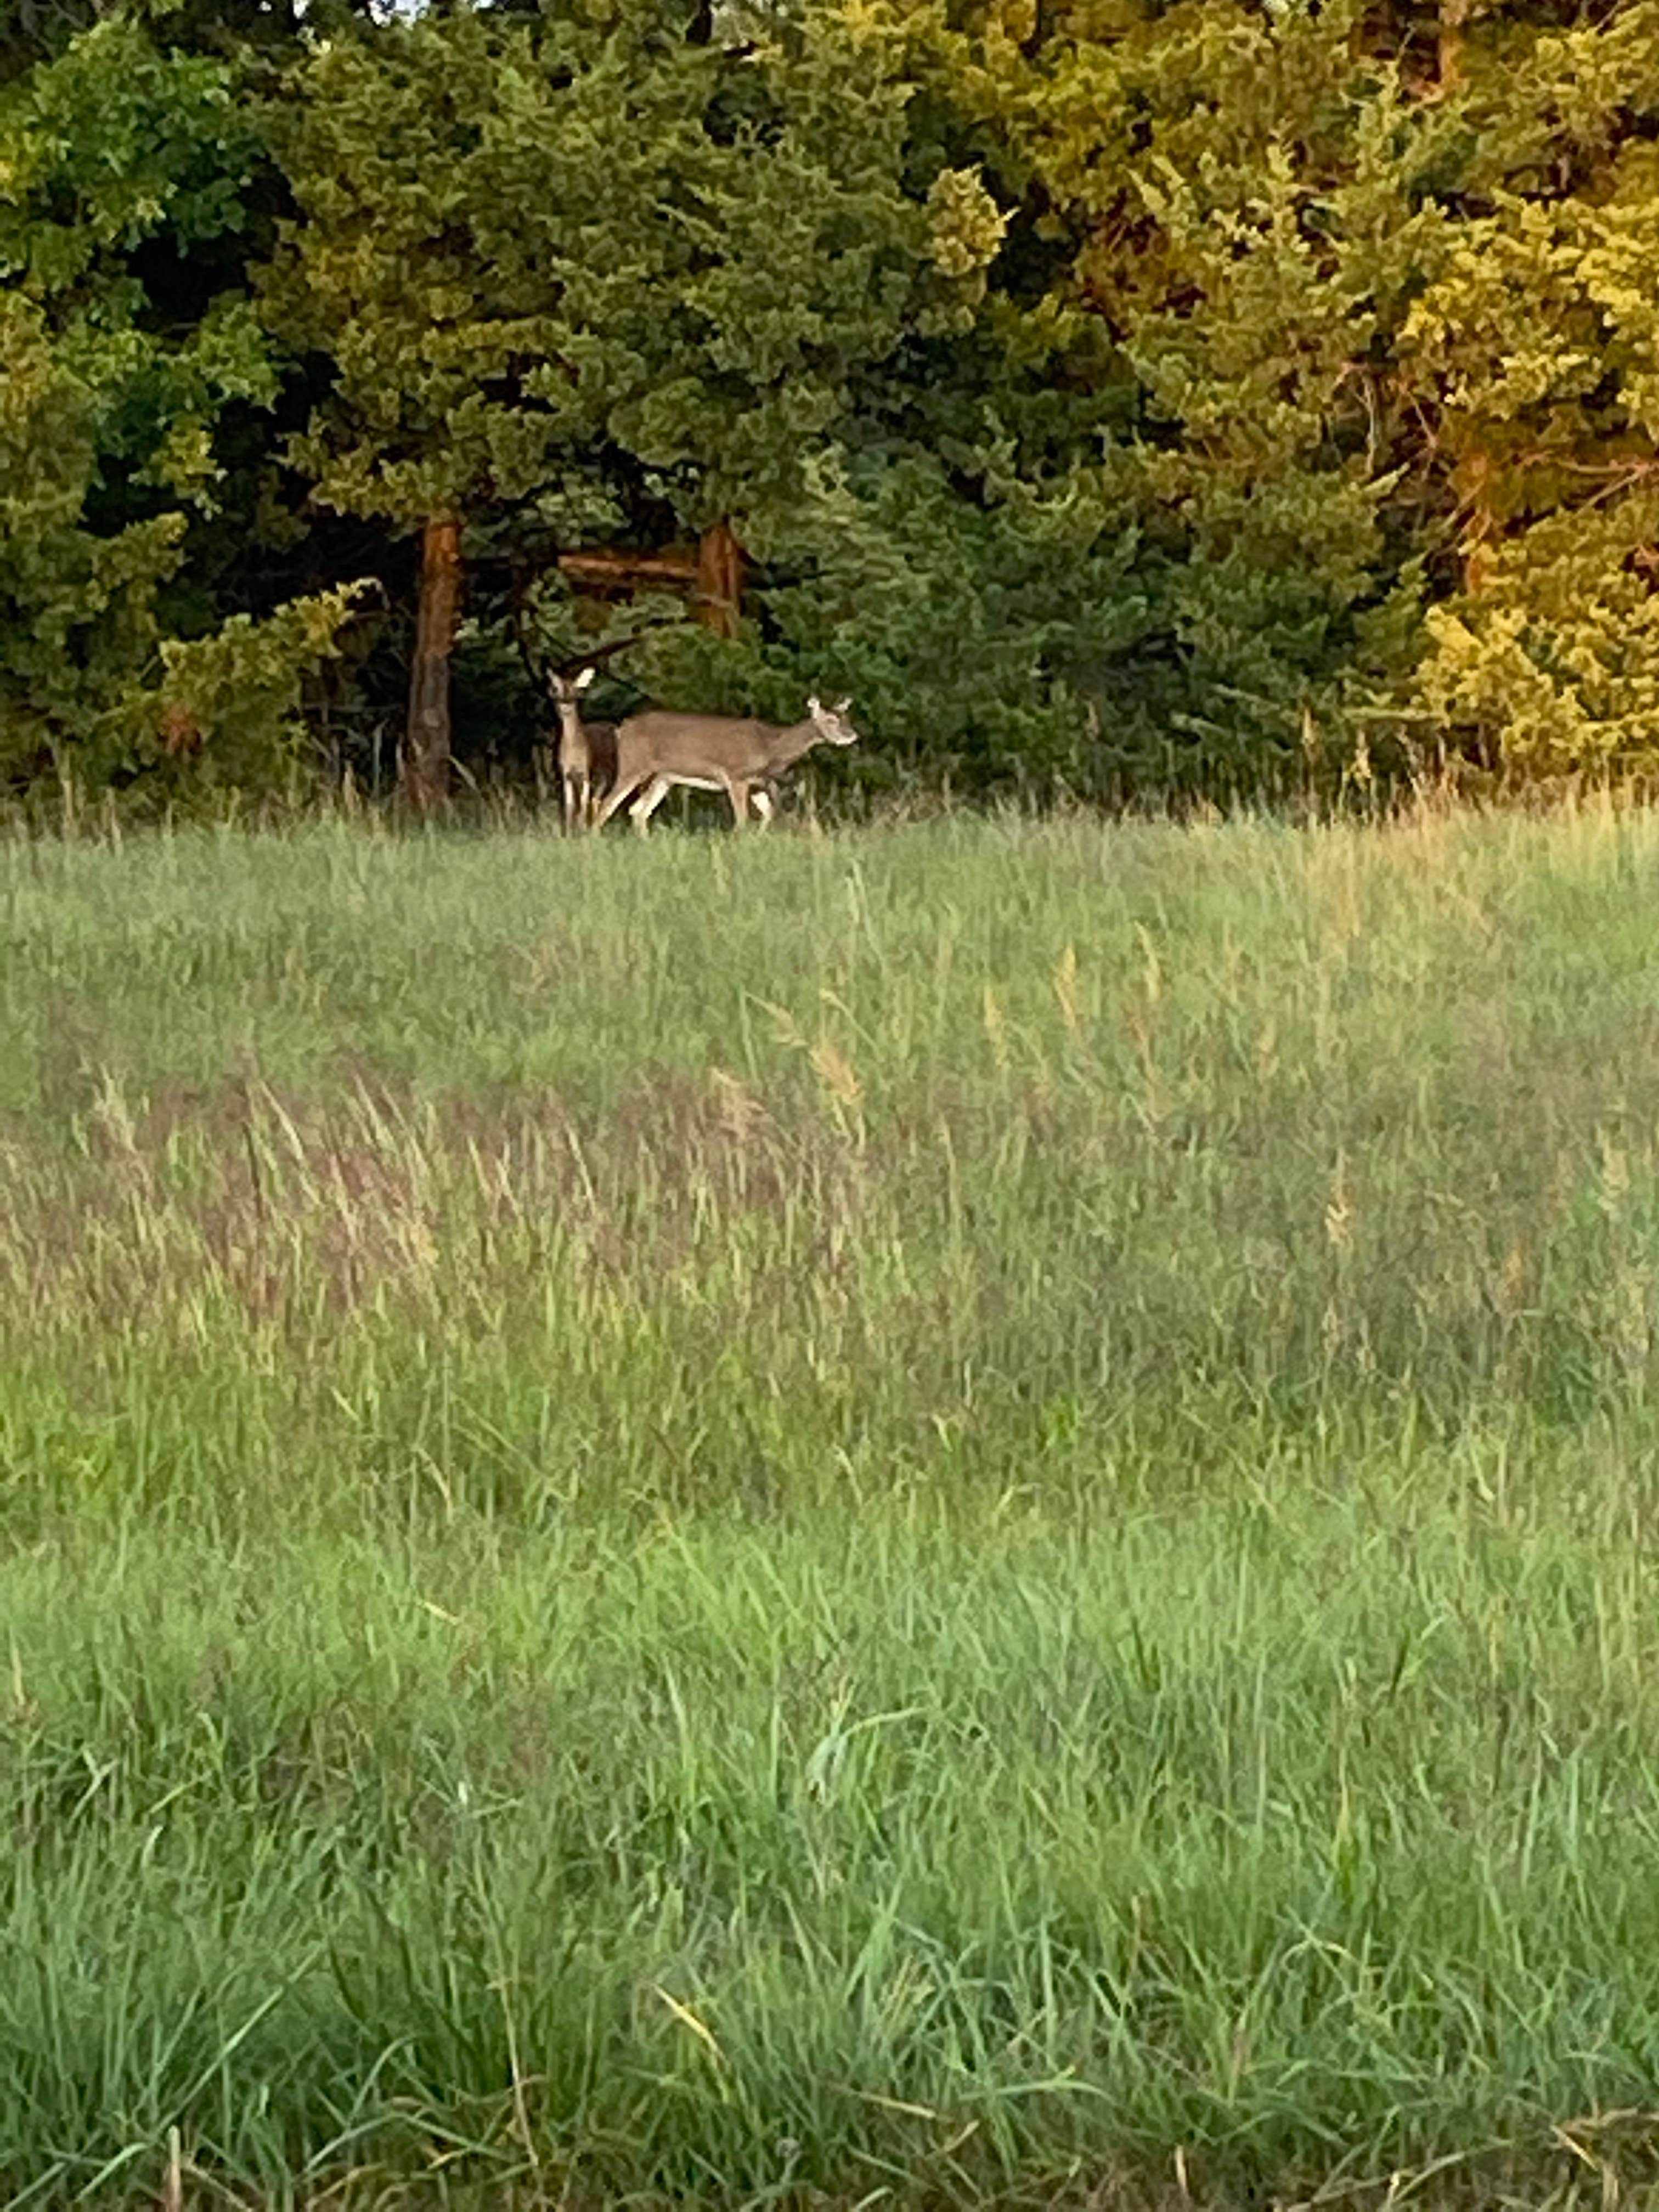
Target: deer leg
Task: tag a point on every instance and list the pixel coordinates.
(737, 792)
(764, 805)
(612, 800)
(649, 800)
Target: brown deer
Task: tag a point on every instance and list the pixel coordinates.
(735, 754)
(587, 750)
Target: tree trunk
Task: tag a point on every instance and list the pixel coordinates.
(720, 579)
(426, 744)
(1478, 542)
(1454, 14)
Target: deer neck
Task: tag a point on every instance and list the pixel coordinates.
(791, 744)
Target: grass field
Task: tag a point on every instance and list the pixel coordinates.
(953, 1515)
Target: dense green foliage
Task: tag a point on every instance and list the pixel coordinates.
(958, 1509)
(1214, 397)
(127, 338)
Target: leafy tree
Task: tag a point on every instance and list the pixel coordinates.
(32, 30)
(1534, 356)
(1367, 286)
(588, 269)
(77, 611)
(1128, 393)
(427, 346)
(121, 172)
(1217, 223)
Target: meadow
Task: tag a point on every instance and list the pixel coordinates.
(957, 1514)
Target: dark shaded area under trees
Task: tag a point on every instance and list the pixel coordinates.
(1224, 398)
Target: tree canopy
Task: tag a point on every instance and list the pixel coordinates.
(1201, 396)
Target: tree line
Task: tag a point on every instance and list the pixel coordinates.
(1213, 398)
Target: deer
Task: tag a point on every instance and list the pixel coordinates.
(735, 754)
(587, 750)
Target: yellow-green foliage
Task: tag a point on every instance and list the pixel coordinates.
(1540, 338)
(1213, 396)
(1383, 283)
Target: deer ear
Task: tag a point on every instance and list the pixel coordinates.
(842, 705)
(815, 705)
(586, 679)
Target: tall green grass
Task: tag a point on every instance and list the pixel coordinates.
(956, 1514)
